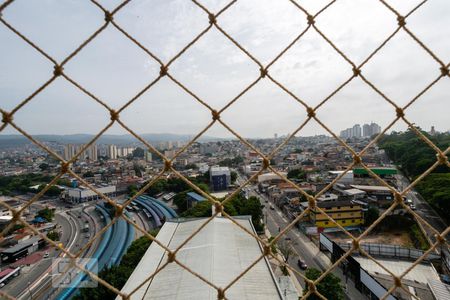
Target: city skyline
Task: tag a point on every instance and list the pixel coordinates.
(169, 136)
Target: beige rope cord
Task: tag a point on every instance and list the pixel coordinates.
(313, 24)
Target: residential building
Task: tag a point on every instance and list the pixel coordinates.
(91, 153)
(356, 131)
(344, 212)
(148, 156)
(83, 194)
(220, 178)
(367, 130)
(193, 199)
(112, 152)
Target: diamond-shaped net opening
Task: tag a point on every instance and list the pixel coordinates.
(164, 74)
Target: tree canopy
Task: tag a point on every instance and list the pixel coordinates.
(330, 286)
(297, 174)
(238, 205)
(414, 157)
(22, 183)
(46, 213)
(411, 153)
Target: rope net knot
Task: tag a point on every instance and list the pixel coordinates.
(58, 70)
(108, 16)
(7, 117)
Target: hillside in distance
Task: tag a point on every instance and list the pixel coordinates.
(14, 140)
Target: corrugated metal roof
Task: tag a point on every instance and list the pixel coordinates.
(219, 252)
(22, 245)
(196, 196)
(440, 290)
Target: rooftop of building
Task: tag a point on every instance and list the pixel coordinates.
(218, 170)
(376, 170)
(372, 188)
(329, 204)
(23, 244)
(219, 253)
(196, 196)
(420, 273)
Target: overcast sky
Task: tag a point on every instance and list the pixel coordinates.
(114, 69)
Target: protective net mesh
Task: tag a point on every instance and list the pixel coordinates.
(313, 24)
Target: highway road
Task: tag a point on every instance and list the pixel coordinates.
(36, 280)
(31, 275)
(80, 216)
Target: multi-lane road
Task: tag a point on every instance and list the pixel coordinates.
(36, 281)
(302, 246)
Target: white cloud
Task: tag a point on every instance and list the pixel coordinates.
(216, 70)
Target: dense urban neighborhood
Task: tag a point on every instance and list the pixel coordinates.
(263, 198)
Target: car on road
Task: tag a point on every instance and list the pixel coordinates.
(412, 206)
(302, 265)
(271, 207)
(46, 255)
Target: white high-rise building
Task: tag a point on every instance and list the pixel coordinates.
(374, 128)
(90, 153)
(69, 151)
(112, 152)
(148, 156)
(367, 130)
(356, 131)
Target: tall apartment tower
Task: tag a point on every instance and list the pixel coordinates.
(367, 130)
(356, 131)
(91, 153)
(69, 151)
(375, 128)
(112, 152)
(148, 156)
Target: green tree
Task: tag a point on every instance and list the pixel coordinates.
(52, 191)
(53, 235)
(202, 209)
(296, 174)
(46, 213)
(414, 156)
(88, 174)
(44, 167)
(233, 176)
(435, 189)
(132, 189)
(251, 207)
(180, 201)
(330, 286)
(138, 152)
(372, 214)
